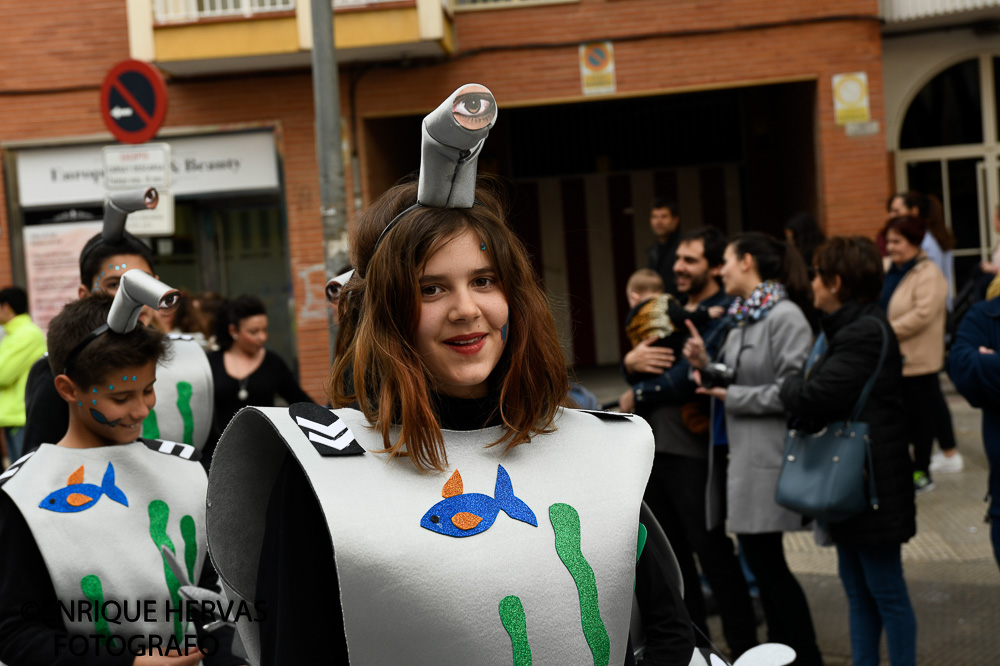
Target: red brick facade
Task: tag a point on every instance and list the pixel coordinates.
(52, 64)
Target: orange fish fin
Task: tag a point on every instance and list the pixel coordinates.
(76, 477)
(77, 499)
(453, 486)
(465, 520)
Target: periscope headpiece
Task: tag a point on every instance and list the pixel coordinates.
(117, 206)
(453, 135)
(135, 290)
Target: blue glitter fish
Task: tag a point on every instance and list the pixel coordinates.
(79, 496)
(462, 515)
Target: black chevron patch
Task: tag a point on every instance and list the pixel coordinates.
(607, 416)
(325, 430)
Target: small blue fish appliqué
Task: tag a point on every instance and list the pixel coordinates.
(466, 514)
(78, 496)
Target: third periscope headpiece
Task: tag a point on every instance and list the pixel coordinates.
(453, 135)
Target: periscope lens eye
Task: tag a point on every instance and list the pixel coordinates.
(169, 301)
(474, 108)
(333, 291)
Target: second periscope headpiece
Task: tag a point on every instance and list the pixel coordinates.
(453, 135)
(117, 206)
(136, 287)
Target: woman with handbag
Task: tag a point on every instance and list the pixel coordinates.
(769, 341)
(847, 283)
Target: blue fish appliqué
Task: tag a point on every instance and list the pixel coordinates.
(79, 496)
(465, 514)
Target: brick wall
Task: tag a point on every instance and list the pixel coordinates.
(852, 171)
(52, 65)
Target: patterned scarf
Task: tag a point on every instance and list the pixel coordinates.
(755, 308)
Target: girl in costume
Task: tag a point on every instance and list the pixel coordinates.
(458, 514)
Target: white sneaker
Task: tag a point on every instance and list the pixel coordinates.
(942, 464)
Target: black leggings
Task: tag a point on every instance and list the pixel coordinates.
(784, 602)
(927, 417)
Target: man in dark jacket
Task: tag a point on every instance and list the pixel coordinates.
(679, 418)
(664, 220)
(974, 366)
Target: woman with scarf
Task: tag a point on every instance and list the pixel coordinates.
(769, 341)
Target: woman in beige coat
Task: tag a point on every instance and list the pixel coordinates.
(914, 296)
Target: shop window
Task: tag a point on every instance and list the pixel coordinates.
(947, 111)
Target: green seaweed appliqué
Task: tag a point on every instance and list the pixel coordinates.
(93, 591)
(512, 616)
(566, 525)
(159, 515)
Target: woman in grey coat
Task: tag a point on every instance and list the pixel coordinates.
(769, 340)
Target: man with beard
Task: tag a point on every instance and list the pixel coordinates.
(676, 491)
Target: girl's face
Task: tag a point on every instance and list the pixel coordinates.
(462, 328)
(251, 335)
(898, 248)
(115, 409)
(739, 277)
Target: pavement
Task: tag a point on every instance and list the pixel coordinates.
(952, 577)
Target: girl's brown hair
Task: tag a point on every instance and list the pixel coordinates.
(377, 364)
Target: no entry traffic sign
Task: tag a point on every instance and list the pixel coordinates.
(134, 101)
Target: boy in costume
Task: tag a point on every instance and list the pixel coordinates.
(102, 529)
(185, 387)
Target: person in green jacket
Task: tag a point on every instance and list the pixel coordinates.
(23, 344)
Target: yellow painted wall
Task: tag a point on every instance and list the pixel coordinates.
(228, 39)
(233, 39)
(376, 28)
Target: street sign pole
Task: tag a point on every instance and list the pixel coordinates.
(326, 98)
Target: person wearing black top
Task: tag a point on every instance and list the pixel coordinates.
(665, 221)
(244, 371)
(847, 284)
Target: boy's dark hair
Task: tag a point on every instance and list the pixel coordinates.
(233, 312)
(97, 250)
(16, 298)
(858, 263)
(105, 354)
(714, 242)
(661, 202)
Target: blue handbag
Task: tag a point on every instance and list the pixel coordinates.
(823, 474)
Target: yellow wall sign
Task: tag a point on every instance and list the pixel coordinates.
(597, 68)
(850, 98)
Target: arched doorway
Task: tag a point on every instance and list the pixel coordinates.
(948, 146)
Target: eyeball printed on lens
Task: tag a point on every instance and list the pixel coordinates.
(474, 107)
(169, 301)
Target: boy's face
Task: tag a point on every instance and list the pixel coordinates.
(115, 409)
(110, 276)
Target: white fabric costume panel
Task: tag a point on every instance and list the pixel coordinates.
(185, 395)
(409, 588)
(100, 516)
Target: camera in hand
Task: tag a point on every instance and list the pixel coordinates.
(717, 375)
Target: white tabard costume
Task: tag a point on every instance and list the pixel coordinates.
(523, 555)
(100, 517)
(185, 395)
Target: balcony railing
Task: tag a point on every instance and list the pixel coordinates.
(497, 4)
(910, 10)
(178, 11)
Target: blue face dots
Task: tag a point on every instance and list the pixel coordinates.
(503, 331)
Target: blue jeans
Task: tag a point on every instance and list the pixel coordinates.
(877, 597)
(15, 442)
